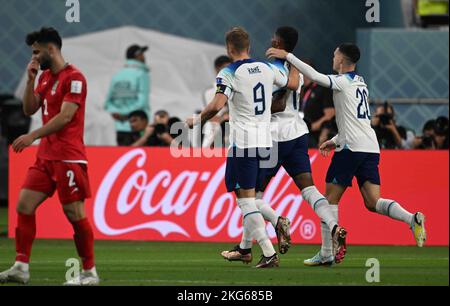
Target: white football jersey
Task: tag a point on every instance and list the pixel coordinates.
(248, 84)
(289, 124)
(351, 102)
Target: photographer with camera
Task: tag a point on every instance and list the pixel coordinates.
(390, 136)
(441, 133)
(156, 134)
(426, 142)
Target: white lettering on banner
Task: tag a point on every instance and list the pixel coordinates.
(163, 227)
(205, 202)
(180, 196)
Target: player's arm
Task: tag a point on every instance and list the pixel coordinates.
(305, 69)
(328, 146)
(211, 110)
(294, 79)
(56, 124)
(279, 100)
(280, 97)
(31, 101)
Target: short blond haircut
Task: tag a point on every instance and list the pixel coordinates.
(238, 39)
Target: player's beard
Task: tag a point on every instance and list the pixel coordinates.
(46, 62)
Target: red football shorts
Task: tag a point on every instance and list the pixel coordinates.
(69, 179)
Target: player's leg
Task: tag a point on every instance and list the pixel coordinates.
(241, 176)
(393, 210)
(73, 188)
(339, 177)
(84, 242)
(254, 223)
(247, 240)
(369, 182)
(298, 165)
(28, 202)
(37, 187)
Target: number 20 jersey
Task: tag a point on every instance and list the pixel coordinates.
(351, 102)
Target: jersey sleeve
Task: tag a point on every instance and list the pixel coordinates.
(281, 75)
(75, 89)
(337, 82)
(224, 82)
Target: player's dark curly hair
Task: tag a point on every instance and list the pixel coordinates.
(222, 60)
(351, 51)
(44, 36)
(289, 35)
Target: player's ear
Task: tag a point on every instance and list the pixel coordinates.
(50, 49)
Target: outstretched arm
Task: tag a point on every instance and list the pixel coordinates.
(210, 110)
(305, 69)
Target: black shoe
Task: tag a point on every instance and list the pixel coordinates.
(269, 262)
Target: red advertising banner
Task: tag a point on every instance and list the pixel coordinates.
(147, 194)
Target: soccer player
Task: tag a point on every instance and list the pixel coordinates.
(290, 134)
(61, 163)
(248, 85)
(357, 150)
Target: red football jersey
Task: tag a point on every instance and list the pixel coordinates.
(68, 85)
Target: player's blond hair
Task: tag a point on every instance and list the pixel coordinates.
(238, 39)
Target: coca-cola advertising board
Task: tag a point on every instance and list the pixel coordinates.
(149, 194)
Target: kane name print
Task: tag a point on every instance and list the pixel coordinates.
(254, 70)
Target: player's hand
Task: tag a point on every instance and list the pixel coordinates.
(32, 70)
(22, 142)
(327, 147)
(276, 53)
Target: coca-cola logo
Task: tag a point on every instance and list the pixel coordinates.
(199, 194)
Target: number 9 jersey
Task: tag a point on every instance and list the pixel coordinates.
(351, 101)
(248, 84)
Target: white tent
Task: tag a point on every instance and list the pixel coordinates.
(181, 70)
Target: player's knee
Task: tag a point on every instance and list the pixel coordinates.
(73, 212)
(331, 198)
(23, 208)
(370, 205)
(304, 180)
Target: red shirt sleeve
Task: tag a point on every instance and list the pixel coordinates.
(75, 89)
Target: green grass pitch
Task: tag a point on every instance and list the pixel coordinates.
(196, 264)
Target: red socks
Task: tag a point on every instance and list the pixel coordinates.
(25, 233)
(84, 241)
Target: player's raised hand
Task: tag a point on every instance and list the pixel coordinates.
(22, 142)
(32, 69)
(276, 53)
(327, 147)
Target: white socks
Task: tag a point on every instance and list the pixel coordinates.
(327, 243)
(393, 210)
(255, 226)
(320, 205)
(268, 213)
